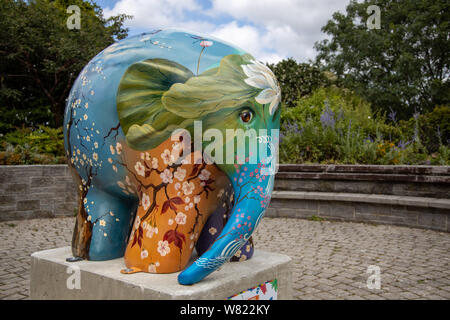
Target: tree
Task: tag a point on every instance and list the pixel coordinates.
(404, 65)
(40, 57)
(298, 79)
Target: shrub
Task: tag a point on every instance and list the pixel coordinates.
(432, 129)
(27, 146)
(333, 125)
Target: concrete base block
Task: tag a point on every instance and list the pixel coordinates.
(54, 278)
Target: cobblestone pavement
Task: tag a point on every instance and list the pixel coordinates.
(330, 259)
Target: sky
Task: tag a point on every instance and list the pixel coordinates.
(271, 30)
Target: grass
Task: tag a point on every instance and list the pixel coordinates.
(316, 218)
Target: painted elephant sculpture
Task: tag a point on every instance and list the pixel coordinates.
(173, 140)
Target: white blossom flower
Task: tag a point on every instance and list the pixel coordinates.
(137, 222)
(166, 176)
(118, 147)
(140, 169)
(167, 157)
(212, 230)
(144, 254)
(111, 148)
(151, 268)
(188, 187)
(204, 175)
(197, 199)
(102, 222)
(151, 231)
(261, 77)
(170, 222)
(177, 186)
(180, 174)
(85, 117)
(95, 156)
(163, 247)
(155, 163)
(145, 201)
(180, 218)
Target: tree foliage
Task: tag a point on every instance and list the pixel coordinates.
(298, 79)
(404, 65)
(40, 57)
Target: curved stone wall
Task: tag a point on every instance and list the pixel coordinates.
(416, 196)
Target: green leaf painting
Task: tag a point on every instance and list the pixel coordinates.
(157, 96)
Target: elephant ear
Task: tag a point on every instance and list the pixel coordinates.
(143, 117)
(215, 89)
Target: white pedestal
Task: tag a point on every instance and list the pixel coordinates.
(54, 278)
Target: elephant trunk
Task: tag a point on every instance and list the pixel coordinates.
(253, 184)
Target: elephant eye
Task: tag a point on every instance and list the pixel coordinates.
(246, 116)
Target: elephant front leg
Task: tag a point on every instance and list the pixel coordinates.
(176, 200)
(215, 224)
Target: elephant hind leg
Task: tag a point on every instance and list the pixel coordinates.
(102, 225)
(245, 253)
(82, 233)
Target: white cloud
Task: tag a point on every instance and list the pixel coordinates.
(149, 14)
(268, 29)
(288, 27)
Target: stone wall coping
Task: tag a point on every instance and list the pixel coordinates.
(364, 176)
(386, 169)
(32, 165)
(364, 198)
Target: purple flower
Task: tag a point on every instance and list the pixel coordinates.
(392, 115)
(402, 145)
(327, 118)
(293, 128)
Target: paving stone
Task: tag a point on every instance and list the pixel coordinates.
(331, 259)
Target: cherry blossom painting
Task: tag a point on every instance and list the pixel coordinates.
(152, 131)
